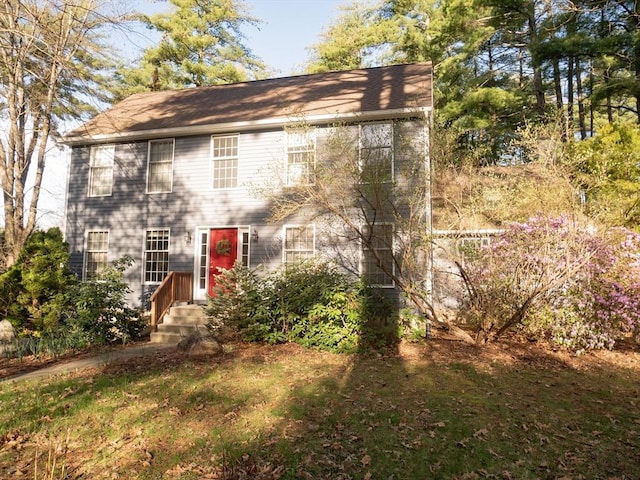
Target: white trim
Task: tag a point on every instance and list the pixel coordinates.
(284, 238)
(199, 293)
(173, 157)
(144, 251)
(92, 152)
(391, 249)
(467, 233)
(219, 128)
(391, 147)
(86, 247)
(212, 159)
(311, 134)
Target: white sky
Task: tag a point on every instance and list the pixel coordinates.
(289, 27)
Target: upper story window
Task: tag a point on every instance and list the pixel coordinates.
(101, 163)
(376, 152)
(95, 257)
(377, 255)
(225, 161)
(299, 243)
(156, 255)
(160, 166)
(301, 157)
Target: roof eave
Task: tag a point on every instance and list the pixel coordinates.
(278, 122)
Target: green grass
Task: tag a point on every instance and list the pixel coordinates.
(445, 411)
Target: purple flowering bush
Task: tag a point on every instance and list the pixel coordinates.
(555, 278)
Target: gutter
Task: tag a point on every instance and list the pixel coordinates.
(214, 128)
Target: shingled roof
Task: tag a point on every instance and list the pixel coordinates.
(396, 90)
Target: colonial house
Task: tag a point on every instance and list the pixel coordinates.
(169, 178)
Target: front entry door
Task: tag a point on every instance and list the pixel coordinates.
(223, 252)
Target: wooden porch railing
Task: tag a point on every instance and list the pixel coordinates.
(176, 287)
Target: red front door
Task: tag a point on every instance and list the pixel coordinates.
(223, 252)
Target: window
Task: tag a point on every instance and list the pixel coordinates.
(204, 249)
(381, 242)
(299, 243)
(376, 152)
(101, 170)
(156, 255)
(244, 249)
(160, 166)
(301, 157)
(96, 254)
(225, 161)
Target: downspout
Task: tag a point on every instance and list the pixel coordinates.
(429, 214)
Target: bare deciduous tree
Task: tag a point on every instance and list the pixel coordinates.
(51, 61)
(369, 186)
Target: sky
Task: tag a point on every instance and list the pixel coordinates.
(289, 27)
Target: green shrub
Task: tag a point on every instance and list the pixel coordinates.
(101, 309)
(33, 292)
(310, 303)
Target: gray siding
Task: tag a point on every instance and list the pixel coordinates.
(129, 211)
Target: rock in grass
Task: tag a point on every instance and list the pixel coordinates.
(8, 339)
(198, 345)
(7, 332)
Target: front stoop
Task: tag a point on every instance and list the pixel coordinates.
(179, 323)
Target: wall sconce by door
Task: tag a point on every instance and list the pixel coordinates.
(254, 235)
(187, 238)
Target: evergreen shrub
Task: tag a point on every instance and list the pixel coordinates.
(310, 303)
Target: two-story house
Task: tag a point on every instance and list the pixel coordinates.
(169, 177)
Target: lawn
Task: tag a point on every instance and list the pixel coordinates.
(436, 410)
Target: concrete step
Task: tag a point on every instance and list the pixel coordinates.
(166, 337)
(185, 315)
(183, 330)
(179, 322)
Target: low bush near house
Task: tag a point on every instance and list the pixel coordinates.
(53, 312)
(310, 303)
(100, 307)
(555, 278)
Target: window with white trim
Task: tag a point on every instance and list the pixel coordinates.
(376, 152)
(156, 255)
(301, 157)
(377, 255)
(204, 255)
(160, 166)
(96, 254)
(224, 152)
(299, 243)
(101, 161)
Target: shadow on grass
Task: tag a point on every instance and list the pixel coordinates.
(440, 410)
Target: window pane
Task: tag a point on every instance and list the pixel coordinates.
(380, 242)
(96, 254)
(301, 154)
(376, 152)
(298, 243)
(160, 169)
(156, 255)
(225, 162)
(101, 170)
(376, 135)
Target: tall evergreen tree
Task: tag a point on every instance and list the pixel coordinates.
(202, 44)
(355, 39)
